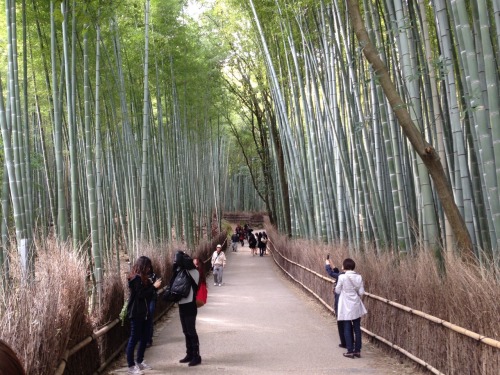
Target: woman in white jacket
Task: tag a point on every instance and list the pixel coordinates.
(351, 308)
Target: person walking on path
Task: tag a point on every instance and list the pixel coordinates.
(334, 274)
(141, 293)
(252, 243)
(351, 308)
(218, 264)
(262, 243)
(235, 238)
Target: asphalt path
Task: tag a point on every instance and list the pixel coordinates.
(260, 322)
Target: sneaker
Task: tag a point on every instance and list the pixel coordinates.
(220, 284)
(134, 370)
(144, 366)
(215, 284)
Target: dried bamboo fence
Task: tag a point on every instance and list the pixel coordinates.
(475, 336)
(105, 329)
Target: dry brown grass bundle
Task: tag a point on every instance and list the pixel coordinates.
(464, 295)
(38, 317)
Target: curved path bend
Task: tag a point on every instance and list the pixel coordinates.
(259, 322)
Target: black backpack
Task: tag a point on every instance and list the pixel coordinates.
(180, 286)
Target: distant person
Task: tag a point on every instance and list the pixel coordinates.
(252, 243)
(262, 243)
(235, 238)
(334, 273)
(351, 309)
(218, 264)
(242, 238)
(188, 310)
(9, 362)
(141, 294)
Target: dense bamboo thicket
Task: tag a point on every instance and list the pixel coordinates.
(345, 166)
(467, 297)
(135, 124)
(109, 129)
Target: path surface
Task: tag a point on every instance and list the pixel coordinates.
(259, 322)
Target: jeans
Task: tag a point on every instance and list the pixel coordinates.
(349, 327)
(152, 307)
(218, 270)
(138, 334)
(340, 323)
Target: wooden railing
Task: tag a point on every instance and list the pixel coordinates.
(479, 338)
(105, 329)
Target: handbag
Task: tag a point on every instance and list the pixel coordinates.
(201, 295)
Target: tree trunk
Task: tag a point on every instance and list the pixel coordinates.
(426, 152)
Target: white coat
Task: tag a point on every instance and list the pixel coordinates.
(350, 288)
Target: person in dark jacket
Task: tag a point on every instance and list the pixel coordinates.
(141, 293)
(334, 272)
(188, 310)
(152, 307)
(235, 238)
(252, 243)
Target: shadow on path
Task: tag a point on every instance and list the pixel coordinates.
(258, 322)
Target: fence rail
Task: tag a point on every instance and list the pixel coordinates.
(480, 338)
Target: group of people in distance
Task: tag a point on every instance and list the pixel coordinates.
(348, 306)
(256, 240)
(144, 285)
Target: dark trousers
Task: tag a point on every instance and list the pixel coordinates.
(353, 343)
(340, 327)
(138, 334)
(187, 313)
(152, 308)
(340, 323)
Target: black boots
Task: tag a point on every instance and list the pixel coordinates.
(187, 358)
(195, 361)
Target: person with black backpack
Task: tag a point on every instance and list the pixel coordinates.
(188, 310)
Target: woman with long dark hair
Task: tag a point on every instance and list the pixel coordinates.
(141, 293)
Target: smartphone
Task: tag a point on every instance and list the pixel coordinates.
(327, 256)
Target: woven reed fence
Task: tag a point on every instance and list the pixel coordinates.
(111, 327)
(406, 319)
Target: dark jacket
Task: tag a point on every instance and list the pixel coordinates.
(140, 296)
(334, 273)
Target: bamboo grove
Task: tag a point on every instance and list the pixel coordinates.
(126, 122)
(107, 112)
(352, 175)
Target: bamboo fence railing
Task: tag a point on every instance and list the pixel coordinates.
(444, 323)
(103, 330)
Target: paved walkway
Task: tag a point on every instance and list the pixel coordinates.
(258, 322)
